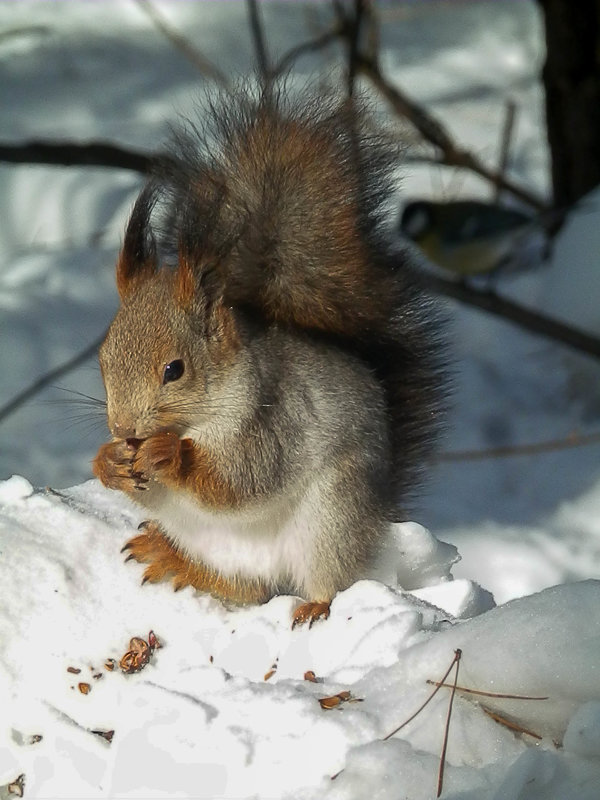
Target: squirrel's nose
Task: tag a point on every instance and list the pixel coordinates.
(122, 431)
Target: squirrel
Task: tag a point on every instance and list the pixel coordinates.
(274, 374)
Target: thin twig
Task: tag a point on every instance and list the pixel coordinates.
(182, 44)
(353, 37)
(310, 46)
(507, 132)
(434, 132)
(486, 694)
(430, 128)
(553, 445)
(533, 321)
(440, 784)
(372, 43)
(14, 404)
(260, 45)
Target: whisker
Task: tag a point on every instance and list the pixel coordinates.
(95, 418)
(85, 427)
(85, 416)
(74, 406)
(91, 415)
(84, 398)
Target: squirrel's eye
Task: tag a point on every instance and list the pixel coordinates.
(173, 371)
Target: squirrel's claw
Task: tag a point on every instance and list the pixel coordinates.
(309, 612)
(152, 548)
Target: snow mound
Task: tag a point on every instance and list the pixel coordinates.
(223, 708)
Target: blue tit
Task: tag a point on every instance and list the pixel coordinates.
(470, 237)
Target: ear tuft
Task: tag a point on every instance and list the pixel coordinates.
(199, 280)
(137, 260)
(186, 290)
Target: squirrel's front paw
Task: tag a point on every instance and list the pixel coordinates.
(113, 465)
(159, 457)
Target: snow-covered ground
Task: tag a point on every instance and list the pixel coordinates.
(189, 725)
(224, 709)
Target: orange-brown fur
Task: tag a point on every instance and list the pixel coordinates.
(288, 148)
(152, 547)
(178, 463)
(310, 612)
(273, 386)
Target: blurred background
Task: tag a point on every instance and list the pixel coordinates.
(497, 108)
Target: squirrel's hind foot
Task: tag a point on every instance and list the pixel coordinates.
(309, 612)
(152, 547)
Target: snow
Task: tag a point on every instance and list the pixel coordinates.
(583, 733)
(200, 720)
(205, 719)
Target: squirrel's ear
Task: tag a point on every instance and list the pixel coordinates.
(137, 260)
(199, 281)
(186, 283)
(198, 285)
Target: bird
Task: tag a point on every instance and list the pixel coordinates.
(472, 237)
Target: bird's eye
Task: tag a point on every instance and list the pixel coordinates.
(173, 371)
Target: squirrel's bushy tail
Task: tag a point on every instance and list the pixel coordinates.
(283, 196)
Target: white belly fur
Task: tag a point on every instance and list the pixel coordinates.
(275, 547)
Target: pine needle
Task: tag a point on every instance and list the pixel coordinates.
(486, 694)
(427, 701)
(457, 655)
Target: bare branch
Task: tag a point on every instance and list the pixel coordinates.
(533, 321)
(260, 46)
(309, 46)
(507, 132)
(430, 128)
(532, 449)
(70, 154)
(352, 26)
(434, 132)
(37, 386)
